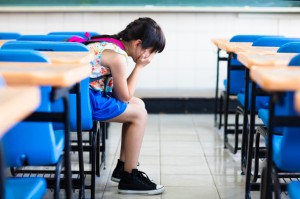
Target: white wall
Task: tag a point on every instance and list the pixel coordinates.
(187, 66)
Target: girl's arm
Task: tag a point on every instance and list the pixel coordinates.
(123, 87)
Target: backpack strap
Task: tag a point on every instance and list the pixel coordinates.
(100, 77)
(88, 39)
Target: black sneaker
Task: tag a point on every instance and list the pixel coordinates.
(118, 172)
(137, 182)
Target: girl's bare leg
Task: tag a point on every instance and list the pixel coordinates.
(134, 121)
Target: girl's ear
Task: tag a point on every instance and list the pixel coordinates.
(137, 43)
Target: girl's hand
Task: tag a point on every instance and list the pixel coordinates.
(144, 59)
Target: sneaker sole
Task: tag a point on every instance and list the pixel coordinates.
(148, 192)
(115, 179)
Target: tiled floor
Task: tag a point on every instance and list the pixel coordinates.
(184, 153)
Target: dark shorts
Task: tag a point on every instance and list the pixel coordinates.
(105, 107)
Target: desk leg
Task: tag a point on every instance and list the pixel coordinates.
(250, 140)
(2, 176)
(79, 140)
(245, 123)
(217, 101)
(226, 108)
(217, 89)
(266, 193)
(68, 172)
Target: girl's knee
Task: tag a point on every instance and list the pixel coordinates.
(137, 101)
(141, 113)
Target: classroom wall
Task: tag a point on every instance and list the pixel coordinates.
(187, 66)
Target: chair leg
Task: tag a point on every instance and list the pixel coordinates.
(58, 170)
(98, 149)
(220, 111)
(226, 118)
(93, 173)
(104, 127)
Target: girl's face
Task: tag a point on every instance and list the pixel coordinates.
(138, 51)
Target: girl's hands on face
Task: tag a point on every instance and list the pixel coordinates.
(145, 58)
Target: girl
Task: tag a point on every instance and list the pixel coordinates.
(111, 94)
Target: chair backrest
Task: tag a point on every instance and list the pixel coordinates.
(32, 143)
(291, 47)
(78, 33)
(248, 38)
(86, 110)
(295, 61)
(45, 46)
(21, 56)
(274, 41)
(287, 146)
(57, 38)
(9, 35)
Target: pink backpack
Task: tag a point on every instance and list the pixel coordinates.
(87, 35)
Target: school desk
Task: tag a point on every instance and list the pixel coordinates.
(59, 76)
(219, 59)
(42, 74)
(275, 80)
(230, 46)
(68, 57)
(254, 49)
(12, 100)
(217, 41)
(278, 59)
(249, 59)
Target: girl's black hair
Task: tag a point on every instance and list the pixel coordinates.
(145, 29)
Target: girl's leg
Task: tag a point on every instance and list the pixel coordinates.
(134, 121)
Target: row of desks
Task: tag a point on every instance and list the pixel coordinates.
(267, 67)
(21, 96)
(270, 71)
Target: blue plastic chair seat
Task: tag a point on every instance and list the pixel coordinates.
(26, 188)
(294, 190)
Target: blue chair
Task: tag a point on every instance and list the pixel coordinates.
(234, 84)
(9, 35)
(45, 46)
(29, 188)
(21, 56)
(291, 47)
(54, 38)
(86, 123)
(97, 130)
(19, 187)
(274, 41)
(285, 145)
(36, 143)
(81, 34)
(294, 190)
